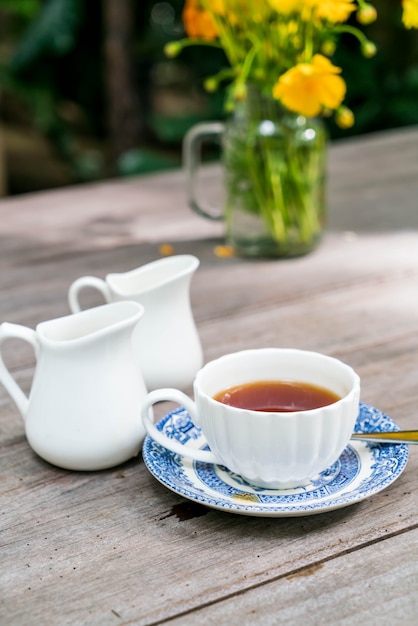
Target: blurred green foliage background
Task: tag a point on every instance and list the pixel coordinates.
(87, 94)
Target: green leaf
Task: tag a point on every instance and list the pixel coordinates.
(23, 8)
(142, 161)
(54, 31)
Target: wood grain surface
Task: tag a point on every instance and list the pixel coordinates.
(116, 547)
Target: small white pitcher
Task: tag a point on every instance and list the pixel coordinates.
(166, 343)
(83, 410)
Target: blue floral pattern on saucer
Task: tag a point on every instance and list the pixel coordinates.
(362, 470)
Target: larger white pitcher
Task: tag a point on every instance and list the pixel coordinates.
(166, 342)
(83, 410)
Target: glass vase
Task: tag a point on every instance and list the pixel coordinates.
(274, 173)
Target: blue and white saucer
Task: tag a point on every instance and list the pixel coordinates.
(362, 470)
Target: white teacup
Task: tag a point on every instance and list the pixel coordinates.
(276, 450)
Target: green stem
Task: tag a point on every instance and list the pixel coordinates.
(276, 172)
(352, 30)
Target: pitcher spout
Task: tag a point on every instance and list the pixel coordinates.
(90, 324)
(153, 276)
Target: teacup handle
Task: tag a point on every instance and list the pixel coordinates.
(173, 395)
(192, 143)
(82, 283)
(16, 331)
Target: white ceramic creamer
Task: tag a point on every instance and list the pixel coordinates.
(83, 410)
(166, 343)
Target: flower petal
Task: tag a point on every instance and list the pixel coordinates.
(308, 88)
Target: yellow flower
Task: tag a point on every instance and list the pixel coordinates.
(308, 88)
(262, 39)
(218, 7)
(235, 10)
(410, 13)
(225, 9)
(332, 10)
(286, 6)
(198, 22)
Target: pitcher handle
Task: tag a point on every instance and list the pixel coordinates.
(16, 331)
(173, 395)
(83, 282)
(192, 143)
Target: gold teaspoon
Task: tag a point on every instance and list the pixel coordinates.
(398, 436)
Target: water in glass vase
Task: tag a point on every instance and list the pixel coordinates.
(274, 173)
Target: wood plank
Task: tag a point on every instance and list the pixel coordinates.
(84, 545)
(355, 307)
(116, 547)
(373, 184)
(374, 172)
(341, 590)
(224, 288)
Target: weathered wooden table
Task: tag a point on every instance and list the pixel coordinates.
(117, 547)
